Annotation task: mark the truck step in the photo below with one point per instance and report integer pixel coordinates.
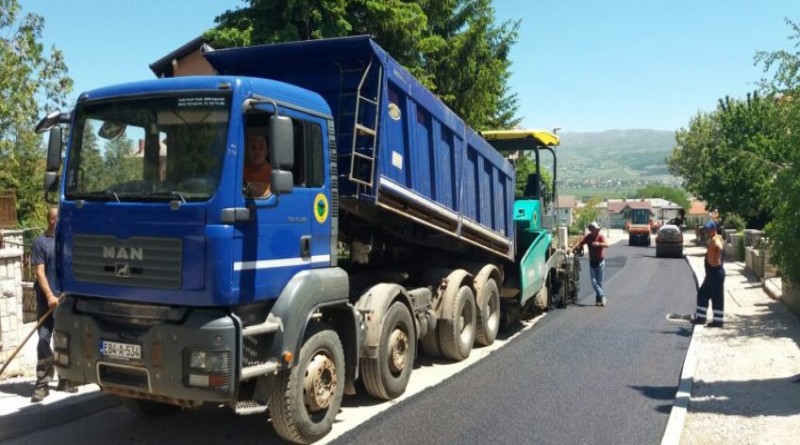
(250, 372)
(245, 407)
(262, 328)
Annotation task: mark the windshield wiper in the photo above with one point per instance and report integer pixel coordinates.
(176, 194)
(111, 193)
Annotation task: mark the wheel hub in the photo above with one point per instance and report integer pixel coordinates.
(398, 345)
(319, 384)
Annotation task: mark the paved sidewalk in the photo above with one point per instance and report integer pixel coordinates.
(742, 381)
(18, 416)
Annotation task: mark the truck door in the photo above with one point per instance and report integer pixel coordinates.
(285, 233)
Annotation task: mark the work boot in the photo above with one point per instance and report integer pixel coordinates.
(716, 324)
(64, 385)
(698, 320)
(40, 393)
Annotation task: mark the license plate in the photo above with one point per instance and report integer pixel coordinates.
(125, 351)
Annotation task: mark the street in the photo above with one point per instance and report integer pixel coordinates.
(583, 374)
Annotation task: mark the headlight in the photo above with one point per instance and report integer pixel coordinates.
(208, 369)
(210, 361)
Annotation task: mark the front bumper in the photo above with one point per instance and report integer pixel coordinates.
(162, 371)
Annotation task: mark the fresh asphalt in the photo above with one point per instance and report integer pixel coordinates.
(584, 374)
(580, 375)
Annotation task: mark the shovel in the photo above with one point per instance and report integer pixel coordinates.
(38, 323)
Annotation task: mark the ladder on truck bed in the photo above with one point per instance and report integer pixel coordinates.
(359, 111)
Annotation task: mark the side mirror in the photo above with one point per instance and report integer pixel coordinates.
(48, 121)
(50, 184)
(54, 150)
(281, 182)
(281, 142)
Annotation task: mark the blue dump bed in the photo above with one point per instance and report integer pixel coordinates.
(398, 146)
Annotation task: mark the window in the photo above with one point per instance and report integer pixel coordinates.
(308, 169)
(308, 163)
(152, 148)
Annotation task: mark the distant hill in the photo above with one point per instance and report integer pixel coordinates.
(614, 162)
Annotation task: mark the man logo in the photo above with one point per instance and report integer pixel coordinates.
(123, 253)
(123, 270)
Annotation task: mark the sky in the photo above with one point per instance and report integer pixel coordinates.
(581, 65)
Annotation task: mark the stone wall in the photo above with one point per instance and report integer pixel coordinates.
(791, 295)
(11, 316)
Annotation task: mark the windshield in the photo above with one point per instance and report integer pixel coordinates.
(154, 148)
(640, 216)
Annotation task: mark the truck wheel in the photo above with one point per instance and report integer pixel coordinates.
(631, 240)
(386, 376)
(430, 344)
(559, 297)
(457, 327)
(574, 280)
(489, 315)
(148, 408)
(305, 399)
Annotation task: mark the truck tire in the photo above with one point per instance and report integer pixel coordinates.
(306, 398)
(488, 301)
(457, 327)
(558, 299)
(430, 344)
(148, 408)
(386, 376)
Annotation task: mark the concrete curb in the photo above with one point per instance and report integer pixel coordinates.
(677, 416)
(772, 290)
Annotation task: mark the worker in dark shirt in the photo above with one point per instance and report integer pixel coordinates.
(44, 267)
(597, 244)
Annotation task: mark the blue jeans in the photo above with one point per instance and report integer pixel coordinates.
(596, 273)
(44, 353)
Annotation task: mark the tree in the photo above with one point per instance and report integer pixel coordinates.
(664, 192)
(585, 215)
(31, 82)
(743, 158)
(454, 47)
(726, 157)
(91, 161)
(120, 162)
(785, 167)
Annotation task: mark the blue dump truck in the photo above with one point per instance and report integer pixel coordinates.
(390, 226)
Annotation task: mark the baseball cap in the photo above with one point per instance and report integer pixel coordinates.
(711, 225)
(594, 225)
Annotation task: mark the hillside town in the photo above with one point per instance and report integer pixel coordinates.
(614, 213)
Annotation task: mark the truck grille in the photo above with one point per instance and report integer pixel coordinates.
(138, 261)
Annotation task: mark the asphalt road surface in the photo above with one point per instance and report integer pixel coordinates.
(583, 374)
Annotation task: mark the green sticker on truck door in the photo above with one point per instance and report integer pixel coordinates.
(321, 208)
